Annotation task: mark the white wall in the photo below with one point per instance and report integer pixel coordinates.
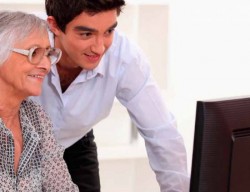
(205, 48)
(209, 55)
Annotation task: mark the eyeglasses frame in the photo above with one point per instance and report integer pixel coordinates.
(28, 53)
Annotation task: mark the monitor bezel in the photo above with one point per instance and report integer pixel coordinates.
(215, 123)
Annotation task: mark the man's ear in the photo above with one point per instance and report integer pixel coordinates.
(53, 25)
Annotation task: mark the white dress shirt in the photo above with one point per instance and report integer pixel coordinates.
(123, 73)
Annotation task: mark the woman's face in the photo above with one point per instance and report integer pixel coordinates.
(20, 78)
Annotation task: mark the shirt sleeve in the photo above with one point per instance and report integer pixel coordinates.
(139, 93)
(55, 175)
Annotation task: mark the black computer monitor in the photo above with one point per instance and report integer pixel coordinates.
(221, 151)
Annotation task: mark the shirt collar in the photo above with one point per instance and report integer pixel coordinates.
(86, 74)
(100, 69)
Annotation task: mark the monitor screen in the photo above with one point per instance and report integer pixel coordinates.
(221, 150)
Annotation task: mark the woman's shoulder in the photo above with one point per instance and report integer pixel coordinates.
(35, 114)
(29, 103)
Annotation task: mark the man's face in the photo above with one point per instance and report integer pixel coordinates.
(86, 38)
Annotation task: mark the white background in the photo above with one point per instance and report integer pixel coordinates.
(199, 49)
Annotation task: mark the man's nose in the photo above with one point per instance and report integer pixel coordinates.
(99, 45)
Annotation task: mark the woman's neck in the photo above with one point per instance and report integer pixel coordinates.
(9, 107)
(9, 113)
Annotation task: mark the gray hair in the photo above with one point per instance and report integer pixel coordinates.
(14, 27)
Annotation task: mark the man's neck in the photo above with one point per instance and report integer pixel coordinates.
(67, 75)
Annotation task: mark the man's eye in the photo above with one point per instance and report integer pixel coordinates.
(86, 34)
(110, 31)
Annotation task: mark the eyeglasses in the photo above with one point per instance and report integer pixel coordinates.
(35, 54)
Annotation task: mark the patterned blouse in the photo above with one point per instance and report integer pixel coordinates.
(41, 166)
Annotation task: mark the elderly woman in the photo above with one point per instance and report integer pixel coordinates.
(30, 158)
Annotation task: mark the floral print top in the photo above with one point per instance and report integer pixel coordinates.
(41, 166)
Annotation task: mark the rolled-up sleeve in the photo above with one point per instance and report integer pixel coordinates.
(139, 93)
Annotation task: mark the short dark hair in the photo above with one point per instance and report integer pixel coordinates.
(65, 11)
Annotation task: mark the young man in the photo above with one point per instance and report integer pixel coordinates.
(97, 65)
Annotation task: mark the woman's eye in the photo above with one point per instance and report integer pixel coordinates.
(35, 52)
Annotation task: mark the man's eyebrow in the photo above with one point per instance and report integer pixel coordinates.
(113, 26)
(84, 28)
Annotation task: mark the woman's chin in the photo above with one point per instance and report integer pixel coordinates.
(36, 93)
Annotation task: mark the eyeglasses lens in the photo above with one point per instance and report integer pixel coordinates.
(54, 55)
(36, 55)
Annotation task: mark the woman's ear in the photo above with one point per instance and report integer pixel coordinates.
(53, 25)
